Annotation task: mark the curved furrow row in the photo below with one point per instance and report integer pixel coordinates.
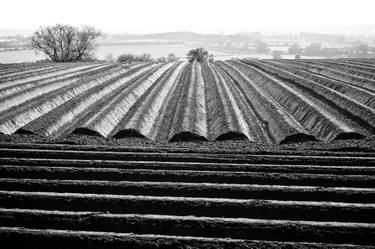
(363, 115)
(350, 67)
(257, 126)
(65, 117)
(314, 117)
(24, 95)
(64, 91)
(282, 126)
(216, 109)
(30, 72)
(144, 119)
(16, 89)
(366, 97)
(106, 121)
(56, 71)
(225, 119)
(190, 119)
(368, 84)
(16, 68)
(355, 70)
(360, 61)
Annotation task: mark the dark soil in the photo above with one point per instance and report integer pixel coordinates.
(357, 146)
(62, 239)
(258, 209)
(191, 226)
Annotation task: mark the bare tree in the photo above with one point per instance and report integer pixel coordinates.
(65, 43)
(198, 54)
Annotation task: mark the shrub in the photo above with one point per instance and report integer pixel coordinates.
(198, 54)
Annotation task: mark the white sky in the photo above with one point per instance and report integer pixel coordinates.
(205, 16)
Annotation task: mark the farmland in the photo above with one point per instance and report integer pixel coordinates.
(224, 154)
(110, 197)
(263, 101)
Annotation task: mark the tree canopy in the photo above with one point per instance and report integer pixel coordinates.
(198, 54)
(65, 43)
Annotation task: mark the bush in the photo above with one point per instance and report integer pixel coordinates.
(198, 54)
(130, 58)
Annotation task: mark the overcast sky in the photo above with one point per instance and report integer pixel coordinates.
(204, 16)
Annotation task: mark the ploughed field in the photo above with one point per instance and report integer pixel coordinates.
(70, 196)
(261, 101)
(229, 154)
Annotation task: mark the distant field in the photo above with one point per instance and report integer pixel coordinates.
(156, 51)
(263, 101)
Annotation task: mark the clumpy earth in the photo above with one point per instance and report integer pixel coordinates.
(366, 145)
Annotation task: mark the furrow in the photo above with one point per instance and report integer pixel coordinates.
(259, 175)
(282, 126)
(350, 67)
(194, 166)
(363, 115)
(12, 90)
(366, 97)
(315, 117)
(360, 71)
(193, 189)
(280, 230)
(190, 119)
(211, 207)
(325, 160)
(73, 113)
(22, 75)
(15, 101)
(47, 238)
(226, 121)
(35, 109)
(345, 77)
(17, 69)
(107, 119)
(38, 77)
(257, 126)
(144, 119)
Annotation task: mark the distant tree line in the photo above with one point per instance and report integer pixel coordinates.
(131, 58)
(316, 49)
